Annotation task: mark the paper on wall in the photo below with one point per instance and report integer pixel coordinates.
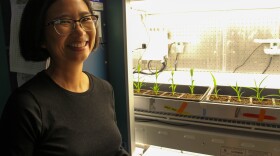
(98, 13)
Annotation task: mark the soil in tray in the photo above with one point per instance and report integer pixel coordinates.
(152, 93)
(220, 98)
(263, 102)
(186, 96)
(277, 102)
(192, 96)
(243, 100)
(142, 91)
(148, 92)
(169, 94)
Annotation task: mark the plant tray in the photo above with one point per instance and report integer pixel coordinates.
(207, 108)
(182, 92)
(227, 95)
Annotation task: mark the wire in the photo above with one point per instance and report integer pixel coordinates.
(177, 55)
(137, 49)
(149, 66)
(146, 29)
(169, 48)
(247, 58)
(164, 64)
(270, 60)
(176, 61)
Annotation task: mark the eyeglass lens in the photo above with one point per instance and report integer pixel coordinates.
(65, 26)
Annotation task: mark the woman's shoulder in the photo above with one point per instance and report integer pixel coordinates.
(21, 100)
(37, 82)
(38, 86)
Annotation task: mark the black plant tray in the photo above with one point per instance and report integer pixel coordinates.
(227, 91)
(182, 92)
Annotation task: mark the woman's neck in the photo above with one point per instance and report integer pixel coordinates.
(72, 79)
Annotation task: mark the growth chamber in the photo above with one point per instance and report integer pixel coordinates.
(205, 76)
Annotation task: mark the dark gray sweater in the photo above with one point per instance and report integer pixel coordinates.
(43, 119)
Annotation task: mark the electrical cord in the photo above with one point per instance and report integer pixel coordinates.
(177, 55)
(269, 63)
(164, 64)
(247, 58)
(176, 61)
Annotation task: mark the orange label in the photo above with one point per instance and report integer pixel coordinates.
(182, 107)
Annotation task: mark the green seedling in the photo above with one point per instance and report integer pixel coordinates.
(192, 86)
(238, 92)
(138, 84)
(216, 90)
(173, 85)
(156, 85)
(258, 90)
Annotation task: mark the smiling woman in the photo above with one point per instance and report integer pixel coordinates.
(69, 43)
(62, 110)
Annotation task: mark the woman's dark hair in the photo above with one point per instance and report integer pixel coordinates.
(31, 31)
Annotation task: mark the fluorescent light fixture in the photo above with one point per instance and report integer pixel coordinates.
(155, 6)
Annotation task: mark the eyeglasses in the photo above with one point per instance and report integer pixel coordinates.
(66, 26)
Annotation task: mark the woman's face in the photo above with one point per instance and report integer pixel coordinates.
(74, 47)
